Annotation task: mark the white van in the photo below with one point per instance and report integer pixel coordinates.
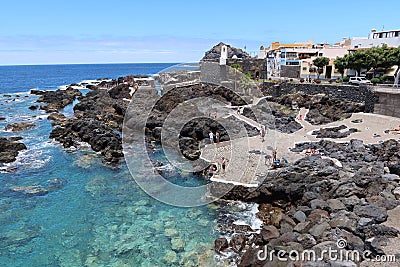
(359, 80)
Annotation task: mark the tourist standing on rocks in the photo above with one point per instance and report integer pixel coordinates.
(262, 133)
(211, 135)
(217, 137)
(223, 164)
(274, 154)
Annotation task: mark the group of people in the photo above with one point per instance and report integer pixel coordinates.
(214, 138)
(213, 169)
(310, 152)
(276, 163)
(394, 130)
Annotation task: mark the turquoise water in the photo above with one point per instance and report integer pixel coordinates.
(96, 215)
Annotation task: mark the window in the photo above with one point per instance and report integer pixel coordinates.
(304, 68)
(320, 54)
(396, 34)
(291, 54)
(292, 63)
(283, 55)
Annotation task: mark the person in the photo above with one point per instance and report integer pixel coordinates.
(274, 154)
(285, 160)
(268, 159)
(238, 110)
(308, 152)
(300, 117)
(223, 164)
(211, 135)
(217, 137)
(211, 170)
(262, 133)
(215, 114)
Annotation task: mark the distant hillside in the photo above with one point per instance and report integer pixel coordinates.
(215, 52)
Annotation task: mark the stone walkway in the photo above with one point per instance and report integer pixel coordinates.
(246, 156)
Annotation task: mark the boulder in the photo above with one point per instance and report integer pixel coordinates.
(376, 213)
(269, 232)
(19, 127)
(220, 244)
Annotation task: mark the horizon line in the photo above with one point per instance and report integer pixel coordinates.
(98, 63)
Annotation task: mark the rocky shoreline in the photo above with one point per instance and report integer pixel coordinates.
(313, 203)
(307, 204)
(97, 120)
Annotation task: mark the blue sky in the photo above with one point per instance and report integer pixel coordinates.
(84, 31)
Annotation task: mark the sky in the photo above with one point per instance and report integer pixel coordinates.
(127, 31)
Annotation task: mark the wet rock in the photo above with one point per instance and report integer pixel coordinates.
(9, 149)
(56, 184)
(220, 244)
(58, 99)
(170, 257)
(269, 232)
(34, 107)
(19, 127)
(177, 244)
(238, 242)
(377, 214)
(169, 232)
(242, 228)
(250, 258)
(30, 190)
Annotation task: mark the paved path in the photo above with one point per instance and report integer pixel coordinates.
(246, 156)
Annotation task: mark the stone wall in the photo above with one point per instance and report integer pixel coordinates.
(254, 66)
(290, 71)
(388, 104)
(359, 94)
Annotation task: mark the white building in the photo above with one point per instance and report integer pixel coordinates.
(376, 39)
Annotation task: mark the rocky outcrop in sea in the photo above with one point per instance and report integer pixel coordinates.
(9, 149)
(97, 120)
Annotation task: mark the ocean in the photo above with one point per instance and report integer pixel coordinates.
(92, 215)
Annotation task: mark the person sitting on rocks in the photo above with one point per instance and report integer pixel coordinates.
(212, 170)
(268, 159)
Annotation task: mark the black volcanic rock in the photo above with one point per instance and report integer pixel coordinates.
(215, 52)
(9, 149)
(58, 99)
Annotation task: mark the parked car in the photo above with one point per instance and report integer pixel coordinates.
(359, 80)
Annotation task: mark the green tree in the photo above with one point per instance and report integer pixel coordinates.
(320, 63)
(341, 64)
